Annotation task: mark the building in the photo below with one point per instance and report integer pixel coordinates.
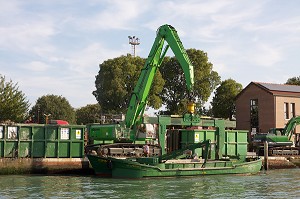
(261, 106)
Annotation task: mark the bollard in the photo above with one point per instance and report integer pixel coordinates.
(266, 153)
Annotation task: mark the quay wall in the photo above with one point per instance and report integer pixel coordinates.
(45, 166)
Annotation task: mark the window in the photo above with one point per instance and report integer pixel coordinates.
(286, 110)
(254, 114)
(293, 114)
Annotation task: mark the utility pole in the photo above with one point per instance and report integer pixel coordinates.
(133, 41)
(38, 113)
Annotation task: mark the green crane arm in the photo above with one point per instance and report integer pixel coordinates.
(177, 153)
(140, 93)
(289, 127)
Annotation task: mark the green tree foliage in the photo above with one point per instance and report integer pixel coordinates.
(88, 114)
(223, 105)
(293, 81)
(116, 80)
(207, 111)
(13, 103)
(175, 94)
(57, 106)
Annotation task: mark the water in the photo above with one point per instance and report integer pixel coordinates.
(271, 184)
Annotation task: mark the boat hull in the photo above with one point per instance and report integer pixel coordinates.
(122, 168)
(102, 166)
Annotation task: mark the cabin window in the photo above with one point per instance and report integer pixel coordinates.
(293, 114)
(254, 122)
(286, 110)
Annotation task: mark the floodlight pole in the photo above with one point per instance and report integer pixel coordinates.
(133, 41)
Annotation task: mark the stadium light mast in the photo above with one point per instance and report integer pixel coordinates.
(133, 41)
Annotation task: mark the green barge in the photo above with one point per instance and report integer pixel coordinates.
(180, 147)
(126, 168)
(176, 164)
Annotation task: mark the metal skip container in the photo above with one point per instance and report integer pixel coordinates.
(40, 147)
(234, 146)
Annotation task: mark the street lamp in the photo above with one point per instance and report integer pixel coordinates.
(133, 41)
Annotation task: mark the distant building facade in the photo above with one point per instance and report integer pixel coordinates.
(261, 106)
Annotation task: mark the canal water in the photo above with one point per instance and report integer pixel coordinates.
(283, 183)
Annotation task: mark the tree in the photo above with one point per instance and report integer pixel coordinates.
(207, 111)
(56, 107)
(293, 81)
(13, 103)
(223, 105)
(175, 94)
(88, 114)
(116, 80)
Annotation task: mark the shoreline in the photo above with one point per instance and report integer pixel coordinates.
(81, 166)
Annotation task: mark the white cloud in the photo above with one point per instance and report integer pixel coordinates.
(36, 66)
(28, 37)
(9, 7)
(265, 55)
(116, 15)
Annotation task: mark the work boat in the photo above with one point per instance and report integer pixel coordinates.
(179, 163)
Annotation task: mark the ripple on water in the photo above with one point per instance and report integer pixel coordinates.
(272, 184)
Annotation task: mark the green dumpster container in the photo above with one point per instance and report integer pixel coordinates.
(42, 141)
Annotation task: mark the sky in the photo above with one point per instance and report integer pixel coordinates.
(56, 46)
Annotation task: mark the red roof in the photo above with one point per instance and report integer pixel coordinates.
(59, 122)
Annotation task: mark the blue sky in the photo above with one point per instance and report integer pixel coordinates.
(56, 46)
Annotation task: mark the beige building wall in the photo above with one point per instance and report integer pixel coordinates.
(280, 116)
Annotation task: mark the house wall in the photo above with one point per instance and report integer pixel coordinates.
(265, 108)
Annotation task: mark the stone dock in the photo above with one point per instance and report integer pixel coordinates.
(283, 162)
(45, 166)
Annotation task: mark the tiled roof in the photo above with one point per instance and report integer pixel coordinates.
(279, 87)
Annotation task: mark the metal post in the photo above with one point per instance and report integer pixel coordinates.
(266, 153)
(38, 113)
(47, 118)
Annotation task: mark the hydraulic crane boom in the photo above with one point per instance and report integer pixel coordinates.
(140, 93)
(290, 126)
